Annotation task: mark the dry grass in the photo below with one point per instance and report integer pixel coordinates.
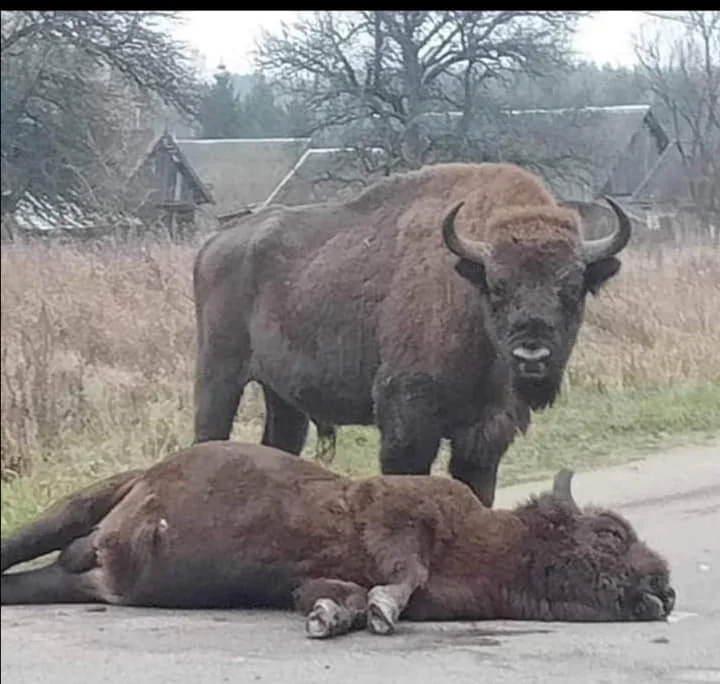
(657, 323)
(98, 353)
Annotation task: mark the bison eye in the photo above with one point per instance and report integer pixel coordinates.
(570, 296)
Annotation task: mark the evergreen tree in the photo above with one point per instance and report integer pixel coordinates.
(261, 115)
(220, 113)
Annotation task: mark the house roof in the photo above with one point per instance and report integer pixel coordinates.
(667, 181)
(595, 143)
(242, 172)
(180, 158)
(136, 148)
(321, 174)
(593, 140)
(141, 144)
(33, 215)
(582, 152)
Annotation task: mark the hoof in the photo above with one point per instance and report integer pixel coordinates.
(324, 620)
(379, 622)
(382, 612)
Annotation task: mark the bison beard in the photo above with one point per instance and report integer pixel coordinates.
(431, 305)
(537, 394)
(233, 525)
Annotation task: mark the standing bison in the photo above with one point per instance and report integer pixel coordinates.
(443, 302)
(235, 525)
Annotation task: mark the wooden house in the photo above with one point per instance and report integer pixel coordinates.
(165, 185)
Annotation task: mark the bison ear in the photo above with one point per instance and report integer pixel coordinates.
(599, 272)
(472, 271)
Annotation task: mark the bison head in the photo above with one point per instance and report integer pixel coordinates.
(588, 564)
(536, 289)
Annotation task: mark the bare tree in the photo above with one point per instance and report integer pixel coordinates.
(67, 77)
(681, 61)
(409, 83)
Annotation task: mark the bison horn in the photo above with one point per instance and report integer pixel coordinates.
(562, 487)
(596, 250)
(471, 250)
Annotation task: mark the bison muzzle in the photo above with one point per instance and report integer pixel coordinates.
(232, 525)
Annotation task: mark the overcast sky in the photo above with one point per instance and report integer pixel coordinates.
(230, 36)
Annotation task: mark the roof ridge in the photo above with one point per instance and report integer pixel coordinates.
(286, 178)
(583, 108)
(147, 151)
(648, 177)
(171, 140)
(310, 151)
(207, 141)
(637, 107)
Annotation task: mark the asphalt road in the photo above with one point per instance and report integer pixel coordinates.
(673, 499)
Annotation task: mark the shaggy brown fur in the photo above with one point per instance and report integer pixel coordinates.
(233, 525)
(359, 312)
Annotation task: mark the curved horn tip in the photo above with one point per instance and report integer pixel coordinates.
(454, 211)
(615, 205)
(562, 483)
(461, 247)
(450, 236)
(605, 247)
(624, 231)
(610, 200)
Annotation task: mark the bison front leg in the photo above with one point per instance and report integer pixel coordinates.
(476, 451)
(332, 607)
(285, 427)
(220, 377)
(407, 415)
(386, 602)
(400, 555)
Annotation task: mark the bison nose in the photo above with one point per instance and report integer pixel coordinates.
(530, 360)
(531, 353)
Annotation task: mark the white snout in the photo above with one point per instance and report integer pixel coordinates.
(525, 354)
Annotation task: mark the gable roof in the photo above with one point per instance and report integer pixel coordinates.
(179, 157)
(136, 148)
(582, 151)
(667, 181)
(592, 140)
(321, 174)
(605, 150)
(142, 144)
(242, 172)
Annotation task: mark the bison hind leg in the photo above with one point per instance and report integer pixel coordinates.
(52, 584)
(214, 583)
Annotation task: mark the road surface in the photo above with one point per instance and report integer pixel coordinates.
(673, 499)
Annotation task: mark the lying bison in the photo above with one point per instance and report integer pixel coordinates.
(232, 525)
(444, 302)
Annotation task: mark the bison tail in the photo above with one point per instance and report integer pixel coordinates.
(67, 520)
